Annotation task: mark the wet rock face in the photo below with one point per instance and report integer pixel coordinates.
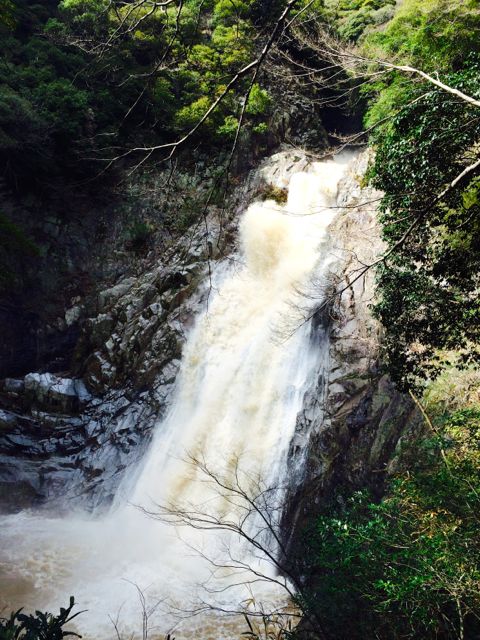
(33, 448)
(68, 438)
(355, 422)
(51, 393)
(59, 442)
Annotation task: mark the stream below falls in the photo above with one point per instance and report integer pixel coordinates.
(246, 367)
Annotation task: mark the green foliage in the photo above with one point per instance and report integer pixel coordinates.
(229, 127)
(188, 116)
(64, 108)
(428, 288)
(85, 16)
(270, 192)
(351, 18)
(231, 13)
(261, 128)
(43, 115)
(41, 626)
(7, 14)
(21, 126)
(408, 567)
(434, 34)
(259, 102)
(454, 389)
(82, 80)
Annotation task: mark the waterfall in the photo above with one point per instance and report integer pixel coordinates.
(243, 378)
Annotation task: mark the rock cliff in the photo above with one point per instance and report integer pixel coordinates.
(71, 435)
(355, 424)
(60, 440)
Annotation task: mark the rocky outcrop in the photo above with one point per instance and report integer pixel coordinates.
(86, 240)
(355, 423)
(72, 437)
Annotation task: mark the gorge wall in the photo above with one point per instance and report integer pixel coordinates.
(66, 440)
(60, 433)
(355, 427)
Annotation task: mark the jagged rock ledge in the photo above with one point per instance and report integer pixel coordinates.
(355, 424)
(70, 436)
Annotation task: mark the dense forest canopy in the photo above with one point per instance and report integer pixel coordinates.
(83, 81)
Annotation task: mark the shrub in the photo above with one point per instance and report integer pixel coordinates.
(409, 566)
(259, 101)
(139, 236)
(270, 192)
(41, 626)
(428, 288)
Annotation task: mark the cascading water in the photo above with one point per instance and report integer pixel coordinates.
(240, 389)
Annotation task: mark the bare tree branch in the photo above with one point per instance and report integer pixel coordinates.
(255, 518)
